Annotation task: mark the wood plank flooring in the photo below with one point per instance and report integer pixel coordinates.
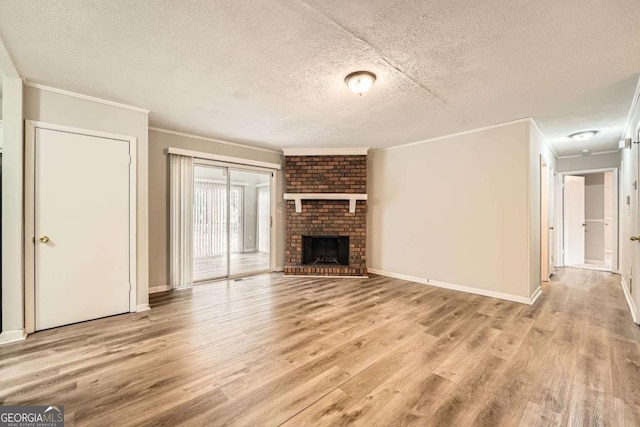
(274, 350)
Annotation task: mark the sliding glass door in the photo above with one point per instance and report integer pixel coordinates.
(231, 221)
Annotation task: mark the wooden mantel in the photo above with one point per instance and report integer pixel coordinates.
(351, 197)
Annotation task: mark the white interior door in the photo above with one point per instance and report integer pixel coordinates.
(635, 226)
(574, 220)
(81, 206)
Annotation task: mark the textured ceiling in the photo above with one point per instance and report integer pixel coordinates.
(271, 72)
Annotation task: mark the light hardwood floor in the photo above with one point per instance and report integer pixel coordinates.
(274, 350)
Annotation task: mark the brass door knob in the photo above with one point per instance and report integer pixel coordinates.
(44, 239)
(634, 238)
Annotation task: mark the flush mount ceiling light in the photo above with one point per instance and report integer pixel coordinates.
(583, 136)
(360, 81)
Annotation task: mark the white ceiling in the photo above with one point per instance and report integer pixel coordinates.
(271, 72)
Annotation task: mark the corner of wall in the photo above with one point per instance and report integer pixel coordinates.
(537, 149)
(142, 294)
(12, 213)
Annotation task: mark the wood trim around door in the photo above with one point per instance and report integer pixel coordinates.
(29, 212)
(615, 193)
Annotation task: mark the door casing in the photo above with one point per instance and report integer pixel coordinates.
(633, 256)
(559, 220)
(29, 211)
(545, 250)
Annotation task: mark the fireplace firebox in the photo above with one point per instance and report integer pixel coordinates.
(325, 250)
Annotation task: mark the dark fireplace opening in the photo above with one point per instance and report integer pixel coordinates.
(325, 250)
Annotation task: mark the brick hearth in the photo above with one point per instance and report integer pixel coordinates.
(326, 174)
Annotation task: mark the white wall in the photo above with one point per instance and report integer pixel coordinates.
(12, 211)
(629, 214)
(158, 191)
(457, 210)
(538, 150)
(50, 107)
(609, 209)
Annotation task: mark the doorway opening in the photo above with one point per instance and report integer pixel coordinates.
(590, 220)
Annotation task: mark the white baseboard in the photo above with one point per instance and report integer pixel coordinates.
(8, 337)
(142, 307)
(630, 303)
(477, 291)
(156, 289)
(278, 270)
(536, 294)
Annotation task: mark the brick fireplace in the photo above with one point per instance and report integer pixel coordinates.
(325, 212)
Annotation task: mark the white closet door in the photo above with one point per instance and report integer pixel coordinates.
(81, 227)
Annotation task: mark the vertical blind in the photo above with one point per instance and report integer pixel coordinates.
(237, 218)
(209, 218)
(180, 218)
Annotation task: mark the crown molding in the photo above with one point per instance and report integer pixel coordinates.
(535, 126)
(85, 97)
(219, 141)
(453, 135)
(322, 151)
(529, 120)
